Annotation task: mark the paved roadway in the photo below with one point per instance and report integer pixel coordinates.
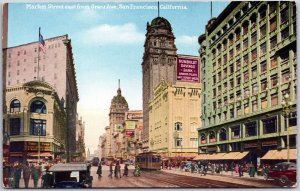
(173, 178)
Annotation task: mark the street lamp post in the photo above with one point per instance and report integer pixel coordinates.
(39, 143)
(286, 106)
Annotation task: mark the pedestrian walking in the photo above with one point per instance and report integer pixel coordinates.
(213, 166)
(170, 165)
(125, 170)
(5, 174)
(241, 170)
(232, 168)
(236, 168)
(110, 169)
(11, 176)
(35, 175)
(251, 170)
(137, 171)
(47, 180)
(118, 170)
(17, 175)
(26, 175)
(99, 170)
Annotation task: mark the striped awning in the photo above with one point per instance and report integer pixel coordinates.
(280, 155)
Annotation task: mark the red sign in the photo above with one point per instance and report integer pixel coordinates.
(187, 69)
(129, 133)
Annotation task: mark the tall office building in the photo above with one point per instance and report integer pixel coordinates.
(55, 66)
(159, 62)
(248, 56)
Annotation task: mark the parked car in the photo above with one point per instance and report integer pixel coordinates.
(284, 172)
(71, 175)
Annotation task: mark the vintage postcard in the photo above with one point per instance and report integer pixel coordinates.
(147, 94)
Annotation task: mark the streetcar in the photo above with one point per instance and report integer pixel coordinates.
(148, 161)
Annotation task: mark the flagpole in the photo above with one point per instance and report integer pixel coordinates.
(38, 69)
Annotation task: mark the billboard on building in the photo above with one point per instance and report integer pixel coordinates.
(134, 115)
(119, 127)
(130, 125)
(140, 126)
(129, 133)
(188, 69)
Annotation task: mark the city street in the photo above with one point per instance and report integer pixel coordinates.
(175, 178)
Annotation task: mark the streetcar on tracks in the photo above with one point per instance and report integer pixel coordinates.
(148, 161)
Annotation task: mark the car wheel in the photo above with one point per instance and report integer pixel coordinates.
(283, 180)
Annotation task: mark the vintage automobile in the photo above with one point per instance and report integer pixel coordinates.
(71, 175)
(284, 172)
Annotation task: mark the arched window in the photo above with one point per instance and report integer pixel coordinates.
(178, 126)
(223, 135)
(38, 107)
(212, 137)
(237, 33)
(262, 12)
(230, 39)
(253, 20)
(203, 138)
(245, 26)
(15, 106)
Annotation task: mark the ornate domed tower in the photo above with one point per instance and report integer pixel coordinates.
(159, 63)
(117, 111)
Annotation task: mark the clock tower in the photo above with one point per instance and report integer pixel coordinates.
(159, 63)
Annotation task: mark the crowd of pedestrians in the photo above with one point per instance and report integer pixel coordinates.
(13, 173)
(202, 167)
(115, 169)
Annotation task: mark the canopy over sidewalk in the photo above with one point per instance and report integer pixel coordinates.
(222, 156)
(280, 155)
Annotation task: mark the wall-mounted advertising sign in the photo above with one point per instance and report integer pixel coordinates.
(134, 115)
(130, 125)
(140, 126)
(188, 69)
(129, 133)
(119, 127)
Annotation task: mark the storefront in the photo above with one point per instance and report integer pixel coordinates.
(28, 150)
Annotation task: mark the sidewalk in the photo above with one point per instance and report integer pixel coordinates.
(227, 177)
(228, 173)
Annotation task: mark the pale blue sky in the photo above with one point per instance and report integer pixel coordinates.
(107, 46)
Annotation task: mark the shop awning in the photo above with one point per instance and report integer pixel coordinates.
(280, 155)
(222, 156)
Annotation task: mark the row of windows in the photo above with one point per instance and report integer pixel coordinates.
(284, 58)
(34, 78)
(269, 125)
(35, 107)
(284, 16)
(254, 54)
(247, 107)
(275, 80)
(193, 142)
(178, 127)
(23, 52)
(37, 127)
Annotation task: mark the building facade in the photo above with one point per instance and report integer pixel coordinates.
(118, 108)
(35, 116)
(248, 56)
(106, 148)
(80, 144)
(174, 118)
(133, 127)
(54, 66)
(159, 62)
